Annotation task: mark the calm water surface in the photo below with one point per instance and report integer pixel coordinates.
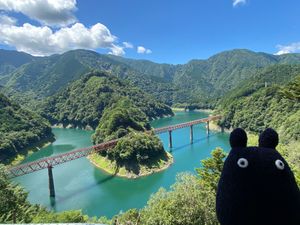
(79, 185)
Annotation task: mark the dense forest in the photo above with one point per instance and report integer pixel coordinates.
(59, 88)
(20, 129)
(197, 205)
(138, 152)
(271, 100)
(268, 101)
(83, 102)
(198, 82)
(117, 97)
(119, 120)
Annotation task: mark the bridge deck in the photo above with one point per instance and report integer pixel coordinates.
(72, 155)
(187, 124)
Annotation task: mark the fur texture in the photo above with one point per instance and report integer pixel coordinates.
(257, 186)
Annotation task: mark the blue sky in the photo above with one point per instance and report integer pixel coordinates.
(159, 30)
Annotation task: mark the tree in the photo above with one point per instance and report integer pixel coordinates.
(190, 201)
(72, 216)
(14, 206)
(212, 168)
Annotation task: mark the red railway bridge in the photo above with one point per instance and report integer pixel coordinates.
(50, 162)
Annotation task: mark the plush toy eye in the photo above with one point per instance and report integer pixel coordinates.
(279, 164)
(243, 163)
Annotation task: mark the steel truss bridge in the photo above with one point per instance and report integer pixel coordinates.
(50, 162)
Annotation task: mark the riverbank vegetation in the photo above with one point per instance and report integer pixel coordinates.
(197, 205)
(251, 90)
(138, 153)
(135, 155)
(190, 201)
(256, 108)
(15, 207)
(20, 130)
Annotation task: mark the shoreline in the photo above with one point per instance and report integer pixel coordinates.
(213, 126)
(194, 110)
(89, 128)
(130, 175)
(29, 151)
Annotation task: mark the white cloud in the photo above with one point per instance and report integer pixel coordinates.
(238, 2)
(127, 45)
(47, 12)
(66, 34)
(285, 49)
(4, 19)
(117, 50)
(43, 40)
(143, 50)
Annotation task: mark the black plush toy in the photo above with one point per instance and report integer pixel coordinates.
(257, 186)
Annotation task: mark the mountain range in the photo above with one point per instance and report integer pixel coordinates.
(75, 88)
(198, 82)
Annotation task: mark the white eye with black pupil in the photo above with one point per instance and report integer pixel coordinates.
(243, 163)
(279, 164)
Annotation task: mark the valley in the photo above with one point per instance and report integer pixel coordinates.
(80, 185)
(94, 98)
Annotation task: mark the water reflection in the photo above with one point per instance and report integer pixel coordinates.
(80, 185)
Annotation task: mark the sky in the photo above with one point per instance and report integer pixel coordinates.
(164, 31)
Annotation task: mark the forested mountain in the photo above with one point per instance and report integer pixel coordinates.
(67, 96)
(270, 100)
(165, 71)
(46, 75)
(272, 75)
(251, 90)
(137, 153)
(82, 103)
(20, 129)
(10, 60)
(120, 119)
(199, 82)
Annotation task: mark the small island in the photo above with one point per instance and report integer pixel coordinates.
(138, 153)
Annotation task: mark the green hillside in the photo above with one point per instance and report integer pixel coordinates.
(198, 83)
(272, 75)
(120, 119)
(82, 103)
(165, 71)
(20, 129)
(11, 60)
(46, 75)
(255, 107)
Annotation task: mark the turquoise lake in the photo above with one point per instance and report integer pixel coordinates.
(80, 185)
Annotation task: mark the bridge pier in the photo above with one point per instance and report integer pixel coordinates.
(207, 128)
(170, 139)
(191, 134)
(51, 182)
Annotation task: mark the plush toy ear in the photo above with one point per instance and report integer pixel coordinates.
(238, 138)
(268, 139)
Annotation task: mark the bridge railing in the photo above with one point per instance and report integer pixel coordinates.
(187, 124)
(58, 159)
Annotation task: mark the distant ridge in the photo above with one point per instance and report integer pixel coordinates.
(198, 82)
